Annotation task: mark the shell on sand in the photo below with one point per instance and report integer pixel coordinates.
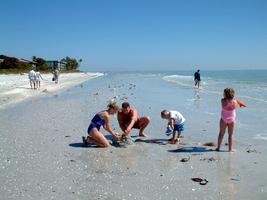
(209, 144)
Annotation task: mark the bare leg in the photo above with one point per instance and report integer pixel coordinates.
(174, 135)
(231, 136)
(179, 134)
(144, 121)
(223, 126)
(98, 138)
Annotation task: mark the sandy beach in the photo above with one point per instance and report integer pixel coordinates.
(42, 156)
(15, 88)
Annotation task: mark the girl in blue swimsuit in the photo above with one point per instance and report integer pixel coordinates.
(101, 119)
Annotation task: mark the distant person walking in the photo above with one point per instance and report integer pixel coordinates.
(56, 75)
(38, 79)
(197, 78)
(32, 78)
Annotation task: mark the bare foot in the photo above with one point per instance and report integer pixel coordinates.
(232, 151)
(142, 135)
(90, 140)
(173, 141)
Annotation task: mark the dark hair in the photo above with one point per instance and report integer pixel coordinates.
(125, 105)
(164, 113)
(113, 105)
(229, 93)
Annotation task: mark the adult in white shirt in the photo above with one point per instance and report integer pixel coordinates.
(38, 79)
(32, 78)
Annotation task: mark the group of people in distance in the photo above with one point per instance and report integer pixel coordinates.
(128, 119)
(35, 79)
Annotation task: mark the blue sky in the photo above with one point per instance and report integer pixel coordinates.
(138, 34)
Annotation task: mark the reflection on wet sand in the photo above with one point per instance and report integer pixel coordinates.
(227, 185)
(196, 98)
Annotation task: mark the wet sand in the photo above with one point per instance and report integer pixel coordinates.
(42, 157)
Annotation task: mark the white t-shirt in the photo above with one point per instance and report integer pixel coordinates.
(178, 117)
(32, 75)
(38, 76)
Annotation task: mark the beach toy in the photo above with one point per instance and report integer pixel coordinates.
(168, 131)
(240, 103)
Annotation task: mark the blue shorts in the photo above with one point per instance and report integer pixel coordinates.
(179, 127)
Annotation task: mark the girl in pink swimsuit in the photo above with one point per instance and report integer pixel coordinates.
(228, 116)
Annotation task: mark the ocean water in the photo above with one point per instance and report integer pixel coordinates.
(151, 92)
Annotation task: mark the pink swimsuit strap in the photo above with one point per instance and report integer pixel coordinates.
(229, 105)
(228, 113)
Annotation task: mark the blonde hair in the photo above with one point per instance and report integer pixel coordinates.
(113, 105)
(229, 93)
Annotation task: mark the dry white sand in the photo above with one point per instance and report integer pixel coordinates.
(15, 88)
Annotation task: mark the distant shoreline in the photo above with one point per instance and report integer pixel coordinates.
(15, 88)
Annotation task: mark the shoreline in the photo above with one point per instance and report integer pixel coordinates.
(15, 88)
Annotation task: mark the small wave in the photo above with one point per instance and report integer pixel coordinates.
(188, 81)
(183, 80)
(180, 79)
(261, 137)
(253, 98)
(175, 76)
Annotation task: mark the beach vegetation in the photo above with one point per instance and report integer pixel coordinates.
(13, 64)
(41, 64)
(70, 63)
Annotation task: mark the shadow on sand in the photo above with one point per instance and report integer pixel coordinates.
(81, 145)
(153, 141)
(191, 150)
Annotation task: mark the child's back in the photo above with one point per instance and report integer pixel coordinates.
(177, 116)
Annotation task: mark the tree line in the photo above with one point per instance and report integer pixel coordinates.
(12, 63)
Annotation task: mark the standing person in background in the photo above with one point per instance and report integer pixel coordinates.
(32, 78)
(38, 79)
(56, 75)
(197, 78)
